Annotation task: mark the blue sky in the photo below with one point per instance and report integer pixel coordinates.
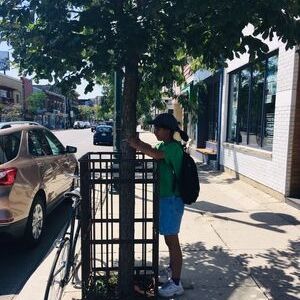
(13, 72)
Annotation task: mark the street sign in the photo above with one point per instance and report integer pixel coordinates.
(4, 60)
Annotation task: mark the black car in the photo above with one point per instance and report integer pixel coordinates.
(103, 135)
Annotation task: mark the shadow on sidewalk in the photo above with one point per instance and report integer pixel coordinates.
(268, 220)
(205, 173)
(280, 275)
(216, 274)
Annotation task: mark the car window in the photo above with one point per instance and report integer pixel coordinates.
(38, 144)
(105, 129)
(9, 146)
(56, 146)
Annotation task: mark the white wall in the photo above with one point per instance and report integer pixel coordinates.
(268, 168)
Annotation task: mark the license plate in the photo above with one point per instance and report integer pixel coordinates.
(103, 134)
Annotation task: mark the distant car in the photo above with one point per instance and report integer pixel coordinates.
(78, 125)
(103, 135)
(110, 123)
(86, 124)
(33, 168)
(93, 126)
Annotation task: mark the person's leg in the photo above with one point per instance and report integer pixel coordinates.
(172, 242)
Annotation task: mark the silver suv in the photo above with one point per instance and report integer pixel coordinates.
(33, 177)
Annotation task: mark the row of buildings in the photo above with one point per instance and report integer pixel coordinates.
(249, 119)
(57, 112)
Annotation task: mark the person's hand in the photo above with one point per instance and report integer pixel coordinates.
(133, 142)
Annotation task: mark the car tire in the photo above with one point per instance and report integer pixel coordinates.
(36, 222)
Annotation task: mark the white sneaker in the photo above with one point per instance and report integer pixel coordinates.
(164, 275)
(170, 289)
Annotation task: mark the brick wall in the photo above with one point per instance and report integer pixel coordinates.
(271, 169)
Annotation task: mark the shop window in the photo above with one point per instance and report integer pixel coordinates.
(251, 108)
(213, 108)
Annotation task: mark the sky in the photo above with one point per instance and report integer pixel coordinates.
(13, 72)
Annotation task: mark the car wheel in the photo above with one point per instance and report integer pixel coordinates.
(36, 222)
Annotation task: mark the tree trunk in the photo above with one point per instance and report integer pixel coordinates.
(127, 193)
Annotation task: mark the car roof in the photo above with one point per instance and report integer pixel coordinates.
(104, 125)
(16, 125)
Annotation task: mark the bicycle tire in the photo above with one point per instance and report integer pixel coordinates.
(58, 277)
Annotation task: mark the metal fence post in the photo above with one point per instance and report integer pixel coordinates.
(85, 221)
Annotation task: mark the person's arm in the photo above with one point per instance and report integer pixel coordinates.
(145, 148)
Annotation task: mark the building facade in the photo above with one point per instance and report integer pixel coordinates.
(260, 120)
(249, 119)
(11, 98)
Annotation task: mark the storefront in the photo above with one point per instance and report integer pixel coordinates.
(258, 120)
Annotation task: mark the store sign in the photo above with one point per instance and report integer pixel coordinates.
(4, 60)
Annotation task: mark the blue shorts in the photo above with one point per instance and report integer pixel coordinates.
(170, 214)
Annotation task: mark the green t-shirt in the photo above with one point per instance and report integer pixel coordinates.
(173, 157)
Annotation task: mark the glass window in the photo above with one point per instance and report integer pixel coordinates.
(104, 129)
(243, 105)
(233, 105)
(252, 95)
(269, 103)
(9, 146)
(38, 144)
(56, 147)
(257, 94)
(213, 108)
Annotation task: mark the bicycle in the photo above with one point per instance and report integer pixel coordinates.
(66, 262)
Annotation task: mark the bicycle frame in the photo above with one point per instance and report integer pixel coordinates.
(63, 267)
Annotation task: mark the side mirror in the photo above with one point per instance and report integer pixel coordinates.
(71, 149)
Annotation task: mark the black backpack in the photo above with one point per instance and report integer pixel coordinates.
(188, 180)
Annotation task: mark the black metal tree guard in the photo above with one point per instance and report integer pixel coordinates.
(100, 241)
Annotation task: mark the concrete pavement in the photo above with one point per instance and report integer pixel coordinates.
(238, 243)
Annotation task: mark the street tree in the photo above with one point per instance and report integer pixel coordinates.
(146, 40)
(36, 102)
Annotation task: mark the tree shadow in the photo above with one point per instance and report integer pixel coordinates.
(269, 220)
(280, 275)
(205, 173)
(217, 274)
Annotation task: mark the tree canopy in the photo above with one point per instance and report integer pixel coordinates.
(71, 39)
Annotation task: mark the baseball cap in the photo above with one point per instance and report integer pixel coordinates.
(165, 120)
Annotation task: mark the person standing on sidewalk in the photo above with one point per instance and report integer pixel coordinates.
(169, 153)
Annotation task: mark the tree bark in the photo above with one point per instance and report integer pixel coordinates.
(127, 189)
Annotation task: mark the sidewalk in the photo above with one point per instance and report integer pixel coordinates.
(238, 243)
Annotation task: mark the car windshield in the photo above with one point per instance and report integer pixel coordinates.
(106, 129)
(9, 146)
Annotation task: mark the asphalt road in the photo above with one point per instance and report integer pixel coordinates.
(17, 263)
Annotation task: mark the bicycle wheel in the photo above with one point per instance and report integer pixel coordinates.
(58, 276)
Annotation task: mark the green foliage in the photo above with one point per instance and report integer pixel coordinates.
(66, 40)
(12, 113)
(106, 111)
(85, 112)
(36, 101)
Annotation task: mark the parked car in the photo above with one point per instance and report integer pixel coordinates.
(86, 124)
(78, 125)
(33, 177)
(103, 135)
(93, 126)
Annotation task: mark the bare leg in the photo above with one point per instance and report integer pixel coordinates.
(172, 242)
